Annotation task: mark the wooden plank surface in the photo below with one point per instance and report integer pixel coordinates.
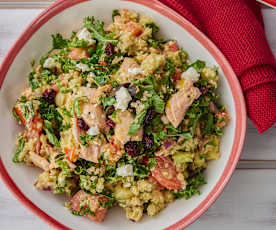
(248, 201)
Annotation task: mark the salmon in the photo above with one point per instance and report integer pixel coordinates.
(39, 161)
(81, 200)
(180, 102)
(94, 115)
(123, 75)
(171, 46)
(94, 94)
(78, 53)
(91, 93)
(124, 119)
(134, 28)
(91, 152)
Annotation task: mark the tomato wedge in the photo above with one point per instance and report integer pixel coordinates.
(78, 53)
(172, 46)
(19, 113)
(165, 173)
(95, 203)
(177, 76)
(34, 131)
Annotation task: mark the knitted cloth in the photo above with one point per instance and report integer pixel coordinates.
(236, 27)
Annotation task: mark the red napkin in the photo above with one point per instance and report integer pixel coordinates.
(236, 27)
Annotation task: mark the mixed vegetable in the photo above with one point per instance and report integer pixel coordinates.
(117, 116)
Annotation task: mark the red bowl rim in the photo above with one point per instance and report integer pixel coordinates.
(240, 126)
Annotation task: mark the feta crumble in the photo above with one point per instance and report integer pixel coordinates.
(126, 170)
(91, 74)
(123, 98)
(93, 131)
(191, 74)
(83, 67)
(85, 35)
(135, 70)
(49, 63)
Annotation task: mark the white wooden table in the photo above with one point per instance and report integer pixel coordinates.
(248, 202)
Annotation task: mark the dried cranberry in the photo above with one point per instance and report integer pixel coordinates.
(132, 90)
(148, 141)
(149, 116)
(132, 148)
(109, 49)
(82, 125)
(145, 160)
(110, 123)
(126, 85)
(49, 96)
(203, 89)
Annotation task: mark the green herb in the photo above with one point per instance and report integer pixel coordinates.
(192, 188)
(152, 163)
(108, 101)
(140, 171)
(50, 113)
(97, 30)
(137, 123)
(115, 13)
(154, 27)
(23, 99)
(63, 89)
(50, 133)
(198, 65)
(66, 112)
(209, 126)
(76, 105)
(101, 79)
(21, 144)
(59, 42)
(158, 103)
(76, 43)
(85, 139)
(34, 84)
(114, 83)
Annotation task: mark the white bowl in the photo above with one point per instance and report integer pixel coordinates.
(65, 16)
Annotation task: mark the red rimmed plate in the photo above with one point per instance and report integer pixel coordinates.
(65, 16)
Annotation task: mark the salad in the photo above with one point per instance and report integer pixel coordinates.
(117, 116)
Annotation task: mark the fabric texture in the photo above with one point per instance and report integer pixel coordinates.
(236, 27)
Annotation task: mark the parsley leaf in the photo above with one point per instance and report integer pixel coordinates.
(154, 27)
(58, 41)
(198, 65)
(50, 133)
(21, 144)
(108, 101)
(115, 13)
(137, 123)
(192, 187)
(96, 28)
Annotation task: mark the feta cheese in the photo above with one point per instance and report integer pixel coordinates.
(123, 98)
(49, 63)
(83, 67)
(135, 70)
(126, 170)
(85, 35)
(91, 74)
(93, 131)
(191, 74)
